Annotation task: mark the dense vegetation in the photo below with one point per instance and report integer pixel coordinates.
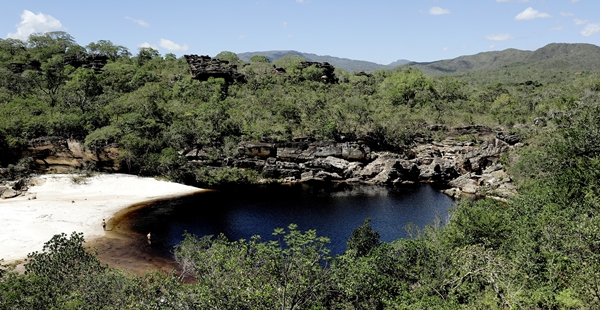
(538, 250)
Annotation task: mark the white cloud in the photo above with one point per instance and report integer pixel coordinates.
(284, 24)
(445, 49)
(34, 23)
(499, 37)
(578, 21)
(140, 22)
(436, 10)
(574, 1)
(146, 44)
(530, 13)
(241, 37)
(566, 14)
(557, 28)
(289, 35)
(590, 29)
(512, 0)
(492, 46)
(172, 46)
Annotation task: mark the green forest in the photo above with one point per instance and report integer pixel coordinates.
(538, 250)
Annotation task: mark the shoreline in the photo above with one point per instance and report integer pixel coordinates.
(56, 204)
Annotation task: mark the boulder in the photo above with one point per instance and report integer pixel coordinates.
(386, 176)
(438, 170)
(327, 176)
(453, 192)
(9, 193)
(355, 151)
(383, 161)
(330, 163)
(509, 137)
(252, 149)
(328, 149)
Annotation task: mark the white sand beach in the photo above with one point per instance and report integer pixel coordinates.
(62, 206)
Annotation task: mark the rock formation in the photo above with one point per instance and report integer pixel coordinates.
(204, 67)
(53, 154)
(87, 61)
(466, 167)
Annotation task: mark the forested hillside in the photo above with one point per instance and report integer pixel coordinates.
(540, 249)
(557, 57)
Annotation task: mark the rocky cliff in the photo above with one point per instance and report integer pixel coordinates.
(467, 167)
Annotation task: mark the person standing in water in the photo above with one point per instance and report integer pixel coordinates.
(103, 224)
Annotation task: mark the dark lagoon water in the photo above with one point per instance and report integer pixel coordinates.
(333, 211)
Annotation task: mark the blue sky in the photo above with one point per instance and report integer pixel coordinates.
(377, 31)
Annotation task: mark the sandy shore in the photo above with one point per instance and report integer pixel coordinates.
(62, 206)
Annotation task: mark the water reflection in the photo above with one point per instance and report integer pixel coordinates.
(333, 211)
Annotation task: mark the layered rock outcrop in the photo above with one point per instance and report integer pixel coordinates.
(204, 67)
(53, 154)
(87, 61)
(466, 167)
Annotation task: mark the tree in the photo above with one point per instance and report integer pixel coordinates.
(146, 54)
(290, 62)
(231, 57)
(82, 89)
(43, 46)
(364, 238)
(409, 87)
(290, 273)
(51, 78)
(259, 59)
(108, 49)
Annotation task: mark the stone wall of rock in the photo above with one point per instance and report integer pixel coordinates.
(52, 154)
(465, 167)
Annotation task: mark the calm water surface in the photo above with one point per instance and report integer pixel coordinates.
(333, 211)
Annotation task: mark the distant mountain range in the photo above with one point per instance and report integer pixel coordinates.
(555, 56)
(344, 63)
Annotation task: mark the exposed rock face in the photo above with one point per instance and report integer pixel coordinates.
(86, 61)
(21, 67)
(204, 67)
(59, 155)
(466, 167)
(508, 137)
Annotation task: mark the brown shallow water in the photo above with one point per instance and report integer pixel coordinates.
(130, 251)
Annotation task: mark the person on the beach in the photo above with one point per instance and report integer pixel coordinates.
(149, 236)
(103, 224)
